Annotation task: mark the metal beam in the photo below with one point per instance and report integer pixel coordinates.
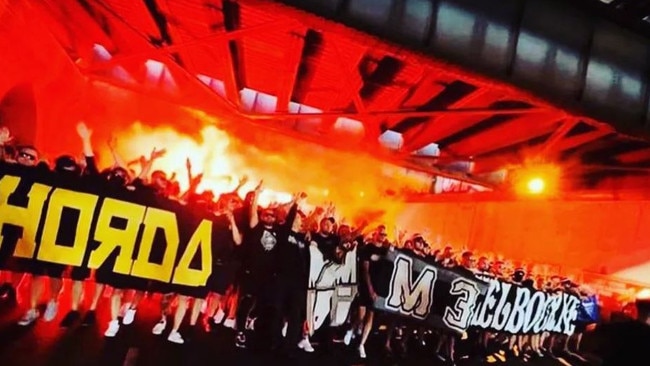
(482, 165)
(203, 41)
(634, 156)
(377, 151)
(585, 44)
(557, 136)
(615, 168)
(288, 80)
(445, 126)
(352, 83)
(230, 83)
(507, 134)
(401, 113)
(578, 140)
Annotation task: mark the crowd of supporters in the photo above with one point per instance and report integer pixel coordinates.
(260, 270)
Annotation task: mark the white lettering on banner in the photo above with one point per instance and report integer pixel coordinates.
(515, 309)
(460, 315)
(553, 304)
(570, 305)
(502, 312)
(332, 288)
(482, 317)
(534, 313)
(406, 297)
(518, 314)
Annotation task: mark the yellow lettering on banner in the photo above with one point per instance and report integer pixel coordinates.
(201, 239)
(157, 219)
(26, 217)
(110, 238)
(50, 250)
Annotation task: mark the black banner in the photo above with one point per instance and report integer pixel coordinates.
(82, 222)
(457, 300)
(443, 298)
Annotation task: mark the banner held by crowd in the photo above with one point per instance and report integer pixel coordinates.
(141, 234)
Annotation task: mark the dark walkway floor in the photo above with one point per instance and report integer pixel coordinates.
(48, 344)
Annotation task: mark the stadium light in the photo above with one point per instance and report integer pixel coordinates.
(536, 185)
(539, 180)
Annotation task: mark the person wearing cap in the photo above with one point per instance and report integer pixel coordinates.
(418, 245)
(518, 276)
(261, 263)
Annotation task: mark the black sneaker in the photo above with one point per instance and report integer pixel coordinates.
(240, 340)
(70, 318)
(89, 319)
(209, 326)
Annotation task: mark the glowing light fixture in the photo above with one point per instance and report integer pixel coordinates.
(536, 185)
(541, 180)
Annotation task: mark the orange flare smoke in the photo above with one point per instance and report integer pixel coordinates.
(355, 183)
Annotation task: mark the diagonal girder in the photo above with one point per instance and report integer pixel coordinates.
(557, 136)
(445, 126)
(579, 140)
(508, 133)
(203, 41)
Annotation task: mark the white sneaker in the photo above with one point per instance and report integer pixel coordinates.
(50, 311)
(284, 330)
(347, 339)
(218, 317)
(113, 328)
(29, 317)
(125, 307)
(229, 323)
(250, 323)
(175, 337)
(305, 345)
(129, 316)
(159, 327)
(362, 352)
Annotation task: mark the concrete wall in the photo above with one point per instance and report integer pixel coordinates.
(605, 236)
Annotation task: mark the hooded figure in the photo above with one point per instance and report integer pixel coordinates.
(67, 165)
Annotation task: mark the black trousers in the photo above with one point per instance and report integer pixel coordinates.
(274, 298)
(292, 299)
(258, 292)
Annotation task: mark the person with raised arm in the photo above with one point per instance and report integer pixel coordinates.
(91, 175)
(260, 265)
(67, 171)
(121, 283)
